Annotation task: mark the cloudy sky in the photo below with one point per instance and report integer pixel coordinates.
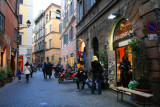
(39, 5)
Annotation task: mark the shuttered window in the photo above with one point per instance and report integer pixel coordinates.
(20, 19)
(80, 10)
(15, 35)
(71, 34)
(2, 22)
(60, 28)
(71, 8)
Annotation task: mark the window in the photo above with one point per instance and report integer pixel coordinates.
(34, 38)
(50, 28)
(15, 35)
(89, 4)
(67, 16)
(20, 39)
(66, 39)
(16, 6)
(58, 14)
(2, 22)
(71, 34)
(45, 31)
(80, 10)
(46, 18)
(21, 1)
(50, 43)
(60, 28)
(20, 19)
(71, 8)
(50, 15)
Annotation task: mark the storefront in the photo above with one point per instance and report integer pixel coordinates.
(122, 35)
(21, 62)
(81, 53)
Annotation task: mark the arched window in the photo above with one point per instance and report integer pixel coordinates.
(58, 14)
(50, 15)
(46, 18)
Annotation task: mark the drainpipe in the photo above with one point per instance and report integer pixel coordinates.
(158, 33)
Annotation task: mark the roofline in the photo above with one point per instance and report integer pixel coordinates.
(50, 5)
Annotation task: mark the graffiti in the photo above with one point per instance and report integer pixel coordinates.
(112, 74)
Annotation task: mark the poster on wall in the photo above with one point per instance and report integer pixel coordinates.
(112, 74)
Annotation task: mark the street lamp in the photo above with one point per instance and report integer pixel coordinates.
(113, 16)
(20, 28)
(28, 23)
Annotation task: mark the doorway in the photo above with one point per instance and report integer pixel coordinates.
(120, 52)
(95, 46)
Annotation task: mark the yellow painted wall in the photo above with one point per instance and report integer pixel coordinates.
(24, 11)
(50, 53)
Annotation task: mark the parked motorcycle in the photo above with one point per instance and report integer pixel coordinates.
(57, 70)
(67, 75)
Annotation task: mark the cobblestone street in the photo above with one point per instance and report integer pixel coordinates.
(49, 93)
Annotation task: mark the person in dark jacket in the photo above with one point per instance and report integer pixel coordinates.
(43, 69)
(96, 76)
(49, 69)
(81, 77)
(125, 66)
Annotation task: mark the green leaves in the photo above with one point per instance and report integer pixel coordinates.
(103, 57)
(2, 75)
(9, 72)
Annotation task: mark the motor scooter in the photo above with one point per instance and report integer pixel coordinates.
(57, 70)
(67, 74)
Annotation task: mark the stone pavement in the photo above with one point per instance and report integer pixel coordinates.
(49, 93)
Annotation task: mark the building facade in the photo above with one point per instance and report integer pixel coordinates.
(111, 25)
(38, 38)
(8, 34)
(68, 32)
(52, 41)
(25, 34)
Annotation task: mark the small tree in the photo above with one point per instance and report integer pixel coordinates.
(9, 72)
(103, 57)
(2, 75)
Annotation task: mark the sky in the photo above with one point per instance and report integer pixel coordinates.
(39, 5)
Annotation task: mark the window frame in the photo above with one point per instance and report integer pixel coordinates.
(50, 43)
(19, 18)
(2, 20)
(15, 35)
(21, 1)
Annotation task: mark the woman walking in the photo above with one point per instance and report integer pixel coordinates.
(27, 71)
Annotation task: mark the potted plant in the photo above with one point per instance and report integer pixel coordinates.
(141, 64)
(2, 78)
(9, 74)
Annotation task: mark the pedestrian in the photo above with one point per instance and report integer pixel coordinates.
(96, 69)
(49, 69)
(31, 66)
(81, 77)
(19, 73)
(125, 66)
(44, 74)
(27, 71)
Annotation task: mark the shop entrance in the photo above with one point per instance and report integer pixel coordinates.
(120, 52)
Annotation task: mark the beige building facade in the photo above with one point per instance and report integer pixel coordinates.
(52, 41)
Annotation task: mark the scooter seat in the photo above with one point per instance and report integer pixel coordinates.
(72, 72)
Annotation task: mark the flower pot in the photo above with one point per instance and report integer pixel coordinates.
(9, 80)
(2, 83)
(140, 99)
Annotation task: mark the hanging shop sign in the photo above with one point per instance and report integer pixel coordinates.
(124, 43)
(123, 29)
(152, 27)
